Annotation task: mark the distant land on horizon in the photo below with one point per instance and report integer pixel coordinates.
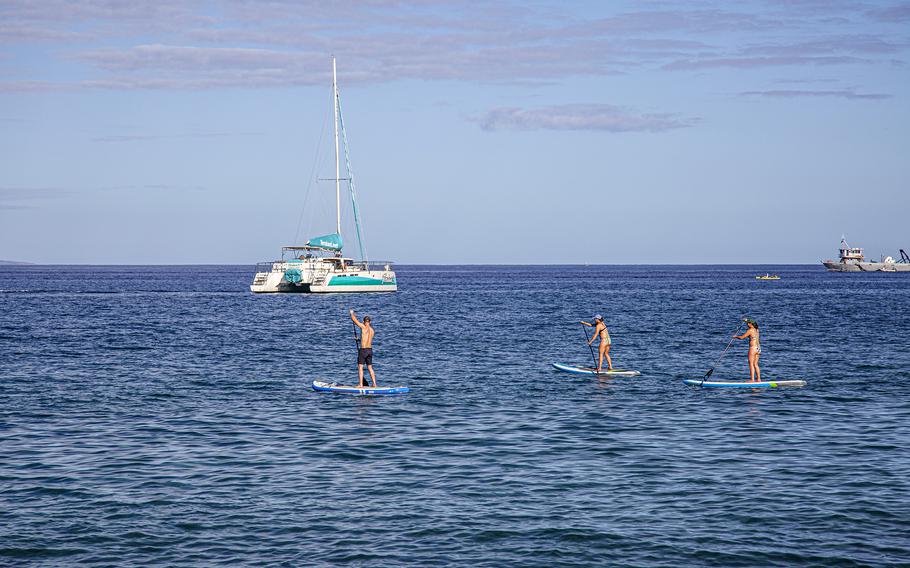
(14, 262)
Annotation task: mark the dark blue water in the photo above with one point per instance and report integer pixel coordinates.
(163, 416)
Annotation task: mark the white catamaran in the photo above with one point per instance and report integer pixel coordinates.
(318, 265)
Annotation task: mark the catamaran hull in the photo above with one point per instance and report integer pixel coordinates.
(357, 288)
(373, 281)
(309, 289)
(283, 288)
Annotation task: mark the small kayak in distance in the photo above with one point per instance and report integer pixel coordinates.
(590, 371)
(322, 386)
(743, 384)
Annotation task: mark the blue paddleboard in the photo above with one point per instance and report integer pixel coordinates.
(590, 371)
(743, 384)
(322, 386)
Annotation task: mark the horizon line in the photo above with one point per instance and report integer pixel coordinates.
(253, 264)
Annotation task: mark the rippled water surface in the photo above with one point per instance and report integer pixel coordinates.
(164, 416)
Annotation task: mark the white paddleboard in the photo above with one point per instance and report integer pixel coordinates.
(590, 371)
(744, 384)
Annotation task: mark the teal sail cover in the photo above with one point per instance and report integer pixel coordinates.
(293, 273)
(330, 242)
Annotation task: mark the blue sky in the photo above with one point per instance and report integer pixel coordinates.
(487, 132)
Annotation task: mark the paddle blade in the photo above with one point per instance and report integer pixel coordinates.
(709, 373)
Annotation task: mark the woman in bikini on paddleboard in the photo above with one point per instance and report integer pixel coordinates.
(754, 349)
(600, 331)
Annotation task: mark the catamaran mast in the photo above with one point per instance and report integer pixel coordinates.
(337, 166)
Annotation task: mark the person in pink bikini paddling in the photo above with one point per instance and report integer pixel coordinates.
(754, 349)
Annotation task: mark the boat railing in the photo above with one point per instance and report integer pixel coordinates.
(375, 264)
(273, 266)
(279, 266)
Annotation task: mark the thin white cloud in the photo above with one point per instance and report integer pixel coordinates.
(682, 19)
(798, 93)
(26, 85)
(147, 15)
(155, 137)
(10, 33)
(856, 44)
(152, 187)
(759, 62)
(899, 13)
(191, 58)
(591, 117)
(805, 81)
(25, 197)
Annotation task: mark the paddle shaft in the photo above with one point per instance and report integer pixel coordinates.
(588, 341)
(357, 346)
(711, 370)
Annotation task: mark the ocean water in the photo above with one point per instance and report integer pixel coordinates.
(163, 416)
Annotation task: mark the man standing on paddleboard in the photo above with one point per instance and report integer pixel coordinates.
(600, 330)
(365, 351)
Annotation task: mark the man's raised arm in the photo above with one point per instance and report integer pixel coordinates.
(355, 320)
